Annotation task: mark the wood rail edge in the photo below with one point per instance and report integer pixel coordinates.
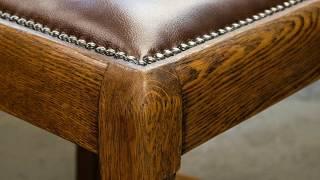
(240, 75)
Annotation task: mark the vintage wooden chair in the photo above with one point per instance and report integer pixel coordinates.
(140, 83)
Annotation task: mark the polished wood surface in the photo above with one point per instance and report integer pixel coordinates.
(50, 85)
(38, 74)
(140, 124)
(87, 166)
(141, 119)
(246, 72)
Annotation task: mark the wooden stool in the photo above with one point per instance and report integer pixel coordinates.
(140, 83)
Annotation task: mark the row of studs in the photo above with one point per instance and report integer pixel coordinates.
(148, 59)
(202, 39)
(70, 39)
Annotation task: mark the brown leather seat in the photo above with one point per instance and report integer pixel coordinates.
(138, 28)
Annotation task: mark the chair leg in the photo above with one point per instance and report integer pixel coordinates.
(140, 125)
(87, 165)
(88, 169)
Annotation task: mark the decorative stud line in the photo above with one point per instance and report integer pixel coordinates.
(215, 34)
(147, 59)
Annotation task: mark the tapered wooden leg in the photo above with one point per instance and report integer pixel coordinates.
(87, 165)
(140, 125)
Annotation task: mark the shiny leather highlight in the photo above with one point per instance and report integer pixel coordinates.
(139, 27)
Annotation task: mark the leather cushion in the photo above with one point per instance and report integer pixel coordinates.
(139, 27)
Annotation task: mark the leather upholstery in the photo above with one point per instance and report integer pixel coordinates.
(138, 27)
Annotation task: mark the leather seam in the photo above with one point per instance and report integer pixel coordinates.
(150, 58)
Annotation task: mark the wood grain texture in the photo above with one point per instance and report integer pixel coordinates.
(232, 80)
(87, 166)
(140, 124)
(224, 82)
(50, 85)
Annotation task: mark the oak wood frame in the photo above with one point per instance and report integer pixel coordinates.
(142, 119)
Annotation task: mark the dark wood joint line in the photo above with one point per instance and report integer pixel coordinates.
(140, 123)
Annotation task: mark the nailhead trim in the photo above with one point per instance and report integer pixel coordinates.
(157, 56)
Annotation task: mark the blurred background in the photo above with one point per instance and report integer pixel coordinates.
(280, 143)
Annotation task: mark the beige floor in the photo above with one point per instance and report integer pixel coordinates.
(282, 143)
